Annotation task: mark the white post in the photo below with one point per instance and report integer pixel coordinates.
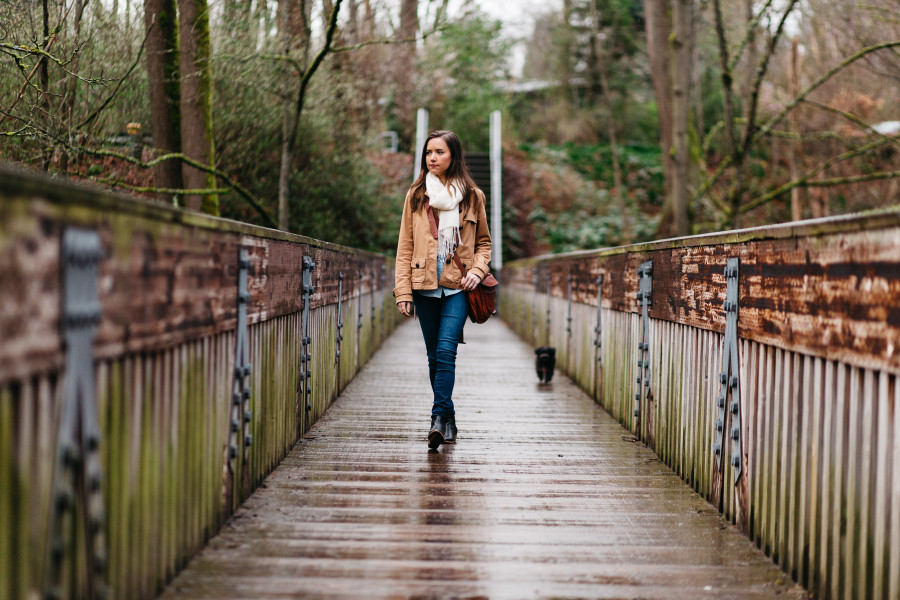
(496, 191)
(421, 135)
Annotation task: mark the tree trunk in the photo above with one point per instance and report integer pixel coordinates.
(196, 103)
(796, 145)
(594, 59)
(353, 22)
(565, 59)
(45, 83)
(162, 75)
(284, 173)
(67, 107)
(327, 5)
(602, 59)
(405, 103)
(369, 29)
(72, 91)
(618, 185)
(295, 35)
(261, 20)
(441, 14)
(659, 26)
(681, 79)
(731, 135)
(749, 60)
(697, 87)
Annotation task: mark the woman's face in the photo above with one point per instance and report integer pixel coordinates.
(437, 157)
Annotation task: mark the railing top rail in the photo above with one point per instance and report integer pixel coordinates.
(166, 275)
(71, 196)
(826, 287)
(883, 218)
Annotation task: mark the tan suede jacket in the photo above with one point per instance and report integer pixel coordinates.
(416, 266)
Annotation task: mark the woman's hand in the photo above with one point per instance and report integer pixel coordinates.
(404, 308)
(471, 281)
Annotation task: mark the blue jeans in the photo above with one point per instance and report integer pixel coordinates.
(442, 320)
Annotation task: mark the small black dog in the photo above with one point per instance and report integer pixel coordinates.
(545, 363)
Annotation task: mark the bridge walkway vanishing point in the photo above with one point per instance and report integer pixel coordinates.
(544, 496)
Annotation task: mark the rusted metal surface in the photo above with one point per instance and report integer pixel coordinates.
(544, 496)
(818, 327)
(167, 276)
(163, 363)
(828, 288)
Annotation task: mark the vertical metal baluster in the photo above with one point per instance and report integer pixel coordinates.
(569, 324)
(372, 304)
(241, 415)
(598, 330)
(645, 287)
(729, 376)
(78, 470)
(534, 289)
(359, 312)
(340, 319)
(549, 290)
(381, 299)
(305, 349)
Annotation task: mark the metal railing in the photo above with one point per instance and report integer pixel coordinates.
(155, 365)
(762, 366)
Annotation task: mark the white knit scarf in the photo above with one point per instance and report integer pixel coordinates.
(445, 199)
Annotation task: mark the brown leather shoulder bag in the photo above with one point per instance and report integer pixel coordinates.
(483, 299)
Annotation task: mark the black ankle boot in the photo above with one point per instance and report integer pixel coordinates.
(436, 433)
(450, 430)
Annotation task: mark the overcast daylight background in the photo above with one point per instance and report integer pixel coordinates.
(517, 17)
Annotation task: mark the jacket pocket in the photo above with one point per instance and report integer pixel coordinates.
(418, 269)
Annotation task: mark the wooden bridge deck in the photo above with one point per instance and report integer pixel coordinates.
(545, 496)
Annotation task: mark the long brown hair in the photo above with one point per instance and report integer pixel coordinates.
(457, 171)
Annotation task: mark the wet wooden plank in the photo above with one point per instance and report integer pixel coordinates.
(542, 497)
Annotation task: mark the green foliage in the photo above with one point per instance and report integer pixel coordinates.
(641, 166)
(337, 195)
(464, 64)
(340, 199)
(620, 21)
(577, 209)
(571, 60)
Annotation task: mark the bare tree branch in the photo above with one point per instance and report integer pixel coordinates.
(19, 52)
(765, 129)
(386, 41)
(818, 82)
(760, 73)
(153, 190)
(850, 117)
(115, 92)
(749, 34)
(804, 180)
(852, 179)
(30, 75)
(727, 80)
(241, 191)
(311, 70)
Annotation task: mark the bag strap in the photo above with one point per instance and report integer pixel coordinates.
(459, 264)
(434, 232)
(432, 222)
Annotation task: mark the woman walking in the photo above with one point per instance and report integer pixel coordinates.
(443, 213)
